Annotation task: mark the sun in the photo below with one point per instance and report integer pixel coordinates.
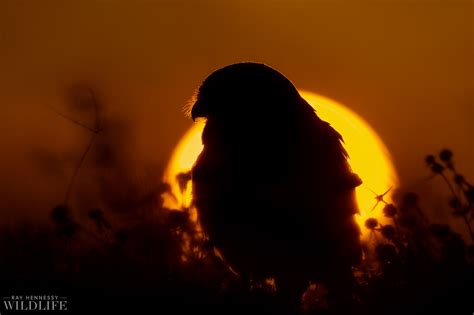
(368, 157)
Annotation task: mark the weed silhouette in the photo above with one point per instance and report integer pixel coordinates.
(162, 259)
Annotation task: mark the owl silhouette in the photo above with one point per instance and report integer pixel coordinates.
(273, 188)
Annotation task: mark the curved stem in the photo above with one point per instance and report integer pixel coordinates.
(466, 220)
(70, 119)
(78, 167)
(451, 188)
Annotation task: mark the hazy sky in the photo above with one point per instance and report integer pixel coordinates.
(405, 66)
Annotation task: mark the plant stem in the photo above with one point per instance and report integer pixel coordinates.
(468, 226)
(450, 187)
(78, 167)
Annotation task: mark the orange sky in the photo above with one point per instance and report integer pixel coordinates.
(405, 66)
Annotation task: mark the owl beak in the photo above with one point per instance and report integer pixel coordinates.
(197, 111)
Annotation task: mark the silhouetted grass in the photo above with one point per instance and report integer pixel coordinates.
(163, 260)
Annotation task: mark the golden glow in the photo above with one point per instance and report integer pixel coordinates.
(369, 157)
